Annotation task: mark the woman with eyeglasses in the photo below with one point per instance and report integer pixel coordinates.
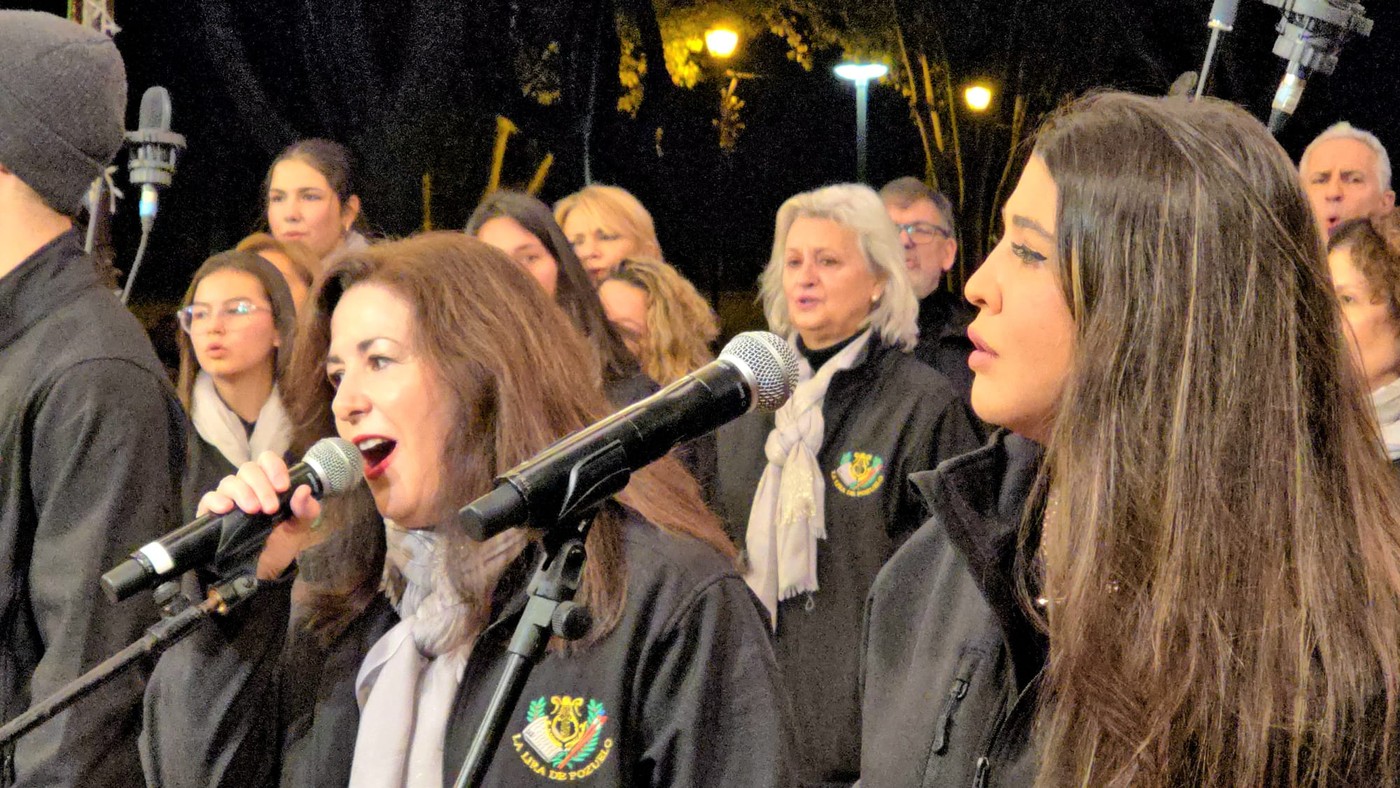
(238, 319)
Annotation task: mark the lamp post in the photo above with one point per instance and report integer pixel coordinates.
(861, 74)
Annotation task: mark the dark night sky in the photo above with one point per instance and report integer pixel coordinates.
(713, 212)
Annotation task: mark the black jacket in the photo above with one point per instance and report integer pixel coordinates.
(91, 453)
(205, 467)
(687, 682)
(943, 342)
(901, 412)
(951, 663)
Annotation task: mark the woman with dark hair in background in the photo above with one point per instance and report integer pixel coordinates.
(446, 365)
(816, 492)
(1364, 259)
(522, 227)
(311, 200)
(1181, 565)
(238, 320)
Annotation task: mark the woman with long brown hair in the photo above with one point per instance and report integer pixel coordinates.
(1179, 564)
(522, 227)
(237, 320)
(375, 663)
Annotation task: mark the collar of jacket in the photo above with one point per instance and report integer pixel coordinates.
(980, 499)
(873, 351)
(50, 278)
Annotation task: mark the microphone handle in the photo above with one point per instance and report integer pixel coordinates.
(197, 542)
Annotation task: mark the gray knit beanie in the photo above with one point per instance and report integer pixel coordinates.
(62, 104)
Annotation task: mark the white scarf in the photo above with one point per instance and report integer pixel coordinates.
(1387, 402)
(788, 514)
(408, 681)
(217, 424)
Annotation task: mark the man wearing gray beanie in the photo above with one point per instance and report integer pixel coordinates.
(91, 435)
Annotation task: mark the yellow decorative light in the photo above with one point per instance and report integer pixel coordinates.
(978, 97)
(721, 41)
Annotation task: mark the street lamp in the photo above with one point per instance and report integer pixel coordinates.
(721, 42)
(861, 74)
(978, 97)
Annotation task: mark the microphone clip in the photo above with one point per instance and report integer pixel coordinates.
(153, 157)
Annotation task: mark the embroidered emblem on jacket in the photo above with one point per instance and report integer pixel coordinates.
(859, 473)
(565, 744)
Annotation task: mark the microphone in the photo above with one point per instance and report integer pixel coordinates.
(331, 467)
(151, 165)
(1222, 20)
(756, 370)
(1311, 34)
(155, 148)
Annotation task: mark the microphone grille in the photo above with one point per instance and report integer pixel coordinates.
(771, 362)
(155, 108)
(339, 462)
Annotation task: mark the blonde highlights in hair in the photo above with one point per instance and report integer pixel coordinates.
(680, 323)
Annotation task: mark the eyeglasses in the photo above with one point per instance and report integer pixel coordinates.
(923, 232)
(232, 311)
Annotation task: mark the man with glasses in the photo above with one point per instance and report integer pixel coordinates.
(91, 436)
(925, 221)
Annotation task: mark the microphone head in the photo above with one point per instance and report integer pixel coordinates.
(337, 462)
(155, 108)
(770, 364)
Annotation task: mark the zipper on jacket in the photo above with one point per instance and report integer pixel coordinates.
(979, 779)
(955, 695)
(984, 763)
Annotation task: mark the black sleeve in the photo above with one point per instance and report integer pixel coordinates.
(105, 478)
(714, 712)
(951, 432)
(212, 711)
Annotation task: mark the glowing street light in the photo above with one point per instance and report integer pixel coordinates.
(978, 97)
(861, 74)
(721, 42)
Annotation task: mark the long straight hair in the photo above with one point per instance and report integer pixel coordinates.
(284, 316)
(512, 366)
(1222, 536)
(574, 291)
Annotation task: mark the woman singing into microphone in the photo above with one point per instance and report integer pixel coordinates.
(370, 654)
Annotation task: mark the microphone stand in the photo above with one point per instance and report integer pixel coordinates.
(161, 636)
(549, 611)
